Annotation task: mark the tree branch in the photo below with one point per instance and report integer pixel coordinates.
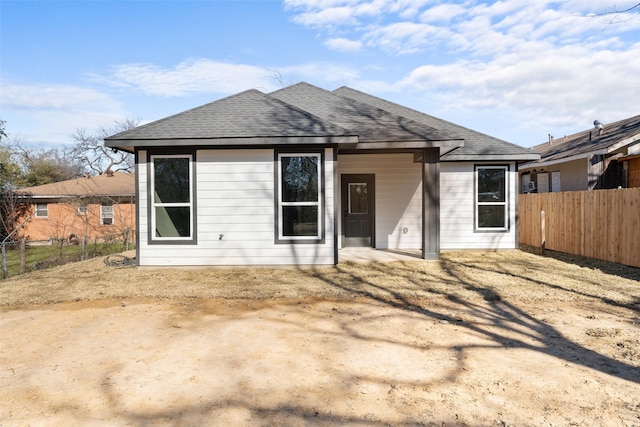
(616, 11)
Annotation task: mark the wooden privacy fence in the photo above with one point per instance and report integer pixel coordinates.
(603, 224)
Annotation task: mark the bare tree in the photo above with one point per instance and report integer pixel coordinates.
(89, 149)
(618, 14)
(3, 134)
(9, 169)
(13, 208)
(277, 75)
(33, 166)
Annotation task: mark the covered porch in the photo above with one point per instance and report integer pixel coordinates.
(389, 201)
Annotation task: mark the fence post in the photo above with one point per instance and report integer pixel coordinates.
(23, 256)
(543, 232)
(83, 248)
(5, 272)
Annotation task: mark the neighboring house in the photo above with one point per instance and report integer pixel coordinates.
(605, 156)
(93, 207)
(293, 176)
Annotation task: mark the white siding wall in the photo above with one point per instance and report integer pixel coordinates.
(457, 210)
(235, 199)
(236, 215)
(398, 184)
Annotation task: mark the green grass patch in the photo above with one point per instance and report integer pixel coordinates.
(45, 256)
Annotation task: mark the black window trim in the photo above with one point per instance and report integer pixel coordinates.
(194, 212)
(321, 196)
(507, 227)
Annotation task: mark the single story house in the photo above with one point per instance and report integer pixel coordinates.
(605, 156)
(93, 207)
(292, 176)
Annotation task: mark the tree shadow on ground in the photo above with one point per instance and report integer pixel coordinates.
(471, 305)
(455, 269)
(499, 317)
(612, 268)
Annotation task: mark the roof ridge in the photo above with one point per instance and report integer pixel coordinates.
(305, 112)
(389, 115)
(390, 112)
(306, 84)
(424, 114)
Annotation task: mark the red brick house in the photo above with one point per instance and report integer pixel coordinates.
(96, 208)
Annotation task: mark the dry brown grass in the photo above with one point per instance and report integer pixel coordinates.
(468, 275)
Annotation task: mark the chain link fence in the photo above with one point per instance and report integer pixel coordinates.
(23, 256)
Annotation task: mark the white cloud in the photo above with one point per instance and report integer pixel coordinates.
(321, 73)
(51, 113)
(343, 45)
(203, 76)
(334, 13)
(332, 16)
(442, 13)
(468, 26)
(56, 127)
(53, 97)
(561, 88)
(402, 37)
(550, 63)
(408, 9)
(191, 77)
(543, 61)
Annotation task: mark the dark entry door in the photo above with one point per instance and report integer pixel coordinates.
(358, 216)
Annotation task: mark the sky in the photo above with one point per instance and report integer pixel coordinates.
(514, 69)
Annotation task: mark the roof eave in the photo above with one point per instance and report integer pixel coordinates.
(224, 142)
(70, 196)
(444, 146)
(623, 143)
(488, 157)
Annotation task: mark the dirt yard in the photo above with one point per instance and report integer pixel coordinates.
(502, 339)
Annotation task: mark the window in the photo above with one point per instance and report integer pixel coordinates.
(42, 210)
(491, 198)
(106, 213)
(299, 204)
(83, 210)
(172, 203)
(358, 198)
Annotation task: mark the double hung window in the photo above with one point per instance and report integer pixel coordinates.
(299, 199)
(42, 210)
(106, 213)
(491, 213)
(172, 198)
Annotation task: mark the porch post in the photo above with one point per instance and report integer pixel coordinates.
(431, 203)
(336, 208)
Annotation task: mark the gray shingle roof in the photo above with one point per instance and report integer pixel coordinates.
(476, 144)
(249, 114)
(304, 114)
(370, 123)
(585, 142)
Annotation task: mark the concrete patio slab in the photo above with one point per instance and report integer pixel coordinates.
(367, 255)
